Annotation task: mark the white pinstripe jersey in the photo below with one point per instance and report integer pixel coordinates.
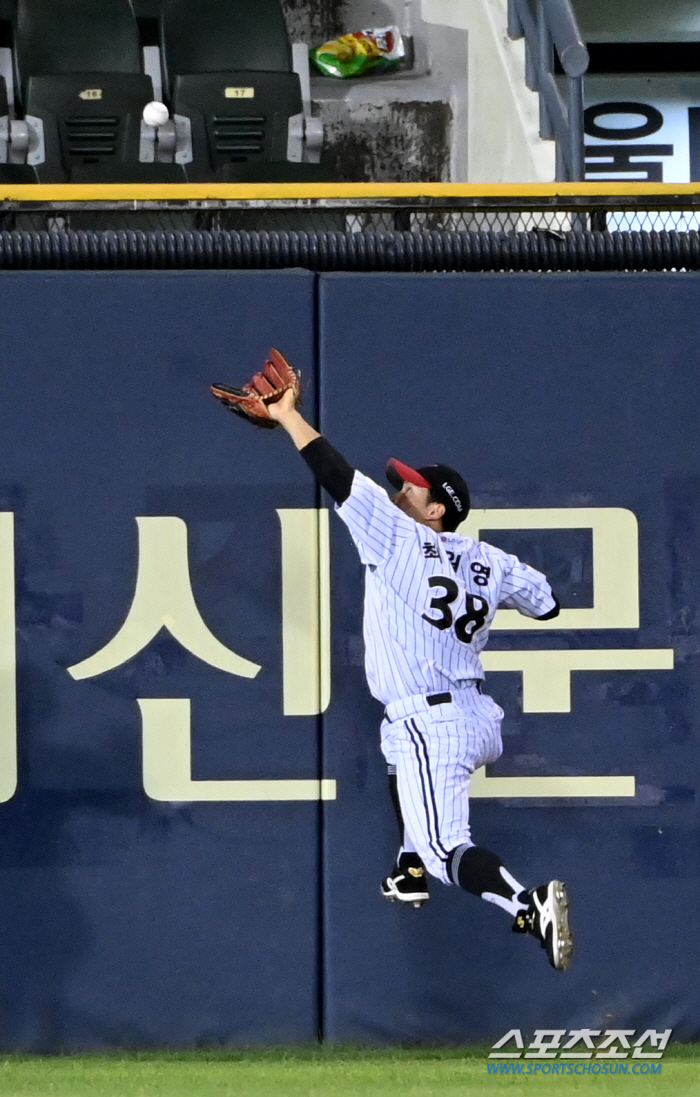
(430, 597)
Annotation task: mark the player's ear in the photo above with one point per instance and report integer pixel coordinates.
(436, 511)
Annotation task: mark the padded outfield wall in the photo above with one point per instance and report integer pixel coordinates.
(191, 850)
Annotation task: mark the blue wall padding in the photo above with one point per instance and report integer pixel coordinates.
(546, 391)
(130, 923)
(125, 921)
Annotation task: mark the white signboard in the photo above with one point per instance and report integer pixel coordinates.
(644, 129)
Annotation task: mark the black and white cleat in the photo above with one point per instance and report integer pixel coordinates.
(547, 919)
(408, 884)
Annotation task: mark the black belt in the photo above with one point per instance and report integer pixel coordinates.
(446, 698)
(439, 698)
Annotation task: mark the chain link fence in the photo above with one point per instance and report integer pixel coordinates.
(656, 232)
(556, 215)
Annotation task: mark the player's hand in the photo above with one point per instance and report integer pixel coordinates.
(282, 407)
(284, 412)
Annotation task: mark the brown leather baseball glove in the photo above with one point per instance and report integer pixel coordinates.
(266, 387)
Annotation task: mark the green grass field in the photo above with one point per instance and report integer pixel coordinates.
(320, 1072)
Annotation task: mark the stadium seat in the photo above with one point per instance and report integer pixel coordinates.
(235, 95)
(81, 83)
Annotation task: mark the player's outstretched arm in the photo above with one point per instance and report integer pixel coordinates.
(368, 514)
(328, 466)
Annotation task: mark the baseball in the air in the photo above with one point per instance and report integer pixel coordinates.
(155, 113)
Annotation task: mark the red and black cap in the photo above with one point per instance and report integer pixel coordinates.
(447, 486)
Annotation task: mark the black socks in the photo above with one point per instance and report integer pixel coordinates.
(482, 873)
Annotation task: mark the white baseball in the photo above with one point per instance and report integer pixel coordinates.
(155, 113)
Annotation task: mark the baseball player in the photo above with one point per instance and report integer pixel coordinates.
(430, 598)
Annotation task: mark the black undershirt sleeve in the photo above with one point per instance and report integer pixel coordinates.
(552, 613)
(330, 468)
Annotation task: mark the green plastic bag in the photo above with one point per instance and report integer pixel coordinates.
(380, 49)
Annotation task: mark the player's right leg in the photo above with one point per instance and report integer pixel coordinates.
(543, 912)
(547, 919)
(434, 760)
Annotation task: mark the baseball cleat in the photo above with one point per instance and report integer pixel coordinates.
(547, 919)
(409, 883)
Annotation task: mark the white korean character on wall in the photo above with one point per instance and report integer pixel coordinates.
(546, 672)
(163, 598)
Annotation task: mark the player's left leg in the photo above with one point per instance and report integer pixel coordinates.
(407, 882)
(414, 786)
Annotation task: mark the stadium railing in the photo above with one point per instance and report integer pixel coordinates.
(552, 26)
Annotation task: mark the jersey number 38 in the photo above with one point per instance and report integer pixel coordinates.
(467, 623)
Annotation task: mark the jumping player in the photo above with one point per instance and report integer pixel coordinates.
(430, 598)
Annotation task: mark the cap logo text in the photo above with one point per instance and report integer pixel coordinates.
(454, 497)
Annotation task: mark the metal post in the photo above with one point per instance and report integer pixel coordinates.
(530, 68)
(575, 112)
(515, 27)
(599, 220)
(567, 37)
(545, 64)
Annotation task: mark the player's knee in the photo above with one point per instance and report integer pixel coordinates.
(473, 868)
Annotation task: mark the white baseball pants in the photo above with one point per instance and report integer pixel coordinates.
(435, 750)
